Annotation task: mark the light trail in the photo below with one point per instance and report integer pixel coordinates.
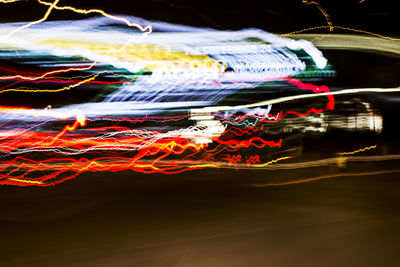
(352, 42)
(357, 151)
(331, 161)
(329, 176)
(326, 15)
(101, 12)
(342, 28)
(162, 104)
(10, 1)
(146, 30)
(30, 90)
(53, 5)
(46, 15)
(297, 97)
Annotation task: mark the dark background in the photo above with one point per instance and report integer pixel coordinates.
(275, 16)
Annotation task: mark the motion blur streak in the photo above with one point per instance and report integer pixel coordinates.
(181, 99)
(82, 11)
(357, 151)
(145, 30)
(342, 28)
(316, 178)
(46, 15)
(352, 42)
(335, 161)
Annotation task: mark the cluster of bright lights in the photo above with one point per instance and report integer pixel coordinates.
(167, 109)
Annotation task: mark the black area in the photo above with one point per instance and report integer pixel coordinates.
(274, 16)
(363, 69)
(204, 219)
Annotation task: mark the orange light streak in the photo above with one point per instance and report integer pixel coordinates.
(342, 28)
(326, 15)
(357, 151)
(321, 177)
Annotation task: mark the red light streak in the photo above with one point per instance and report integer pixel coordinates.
(115, 148)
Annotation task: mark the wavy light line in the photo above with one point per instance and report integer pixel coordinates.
(357, 151)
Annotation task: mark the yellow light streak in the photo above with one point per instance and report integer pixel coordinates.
(31, 90)
(326, 15)
(357, 151)
(321, 177)
(24, 181)
(101, 12)
(146, 30)
(207, 165)
(296, 97)
(46, 15)
(154, 55)
(10, 1)
(271, 162)
(339, 27)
